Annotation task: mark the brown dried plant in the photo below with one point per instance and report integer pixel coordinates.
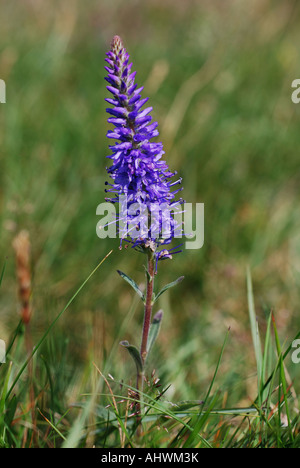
(22, 248)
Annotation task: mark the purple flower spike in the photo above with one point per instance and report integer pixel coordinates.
(137, 170)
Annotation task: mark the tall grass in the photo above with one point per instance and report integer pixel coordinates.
(105, 417)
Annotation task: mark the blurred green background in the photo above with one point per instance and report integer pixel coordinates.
(218, 75)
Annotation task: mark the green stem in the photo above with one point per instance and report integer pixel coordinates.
(148, 306)
(146, 328)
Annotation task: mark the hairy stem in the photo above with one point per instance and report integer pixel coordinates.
(148, 306)
(145, 334)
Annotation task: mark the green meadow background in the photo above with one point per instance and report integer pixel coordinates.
(218, 75)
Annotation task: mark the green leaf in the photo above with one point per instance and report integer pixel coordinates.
(168, 286)
(134, 353)
(282, 380)
(3, 406)
(4, 391)
(255, 332)
(154, 330)
(148, 276)
(132, 284)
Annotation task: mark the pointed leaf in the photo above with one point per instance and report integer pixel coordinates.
(132, 284)
(154, 330)
(148, 276)
(134, 353)
(168, 286)
(254, 329)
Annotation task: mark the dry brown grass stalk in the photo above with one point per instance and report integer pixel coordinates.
(22, 248)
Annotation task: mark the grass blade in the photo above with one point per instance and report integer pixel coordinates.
(282, 379)
(255, 334)
(2, 403)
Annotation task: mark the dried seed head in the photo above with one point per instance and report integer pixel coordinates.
(21, 245)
